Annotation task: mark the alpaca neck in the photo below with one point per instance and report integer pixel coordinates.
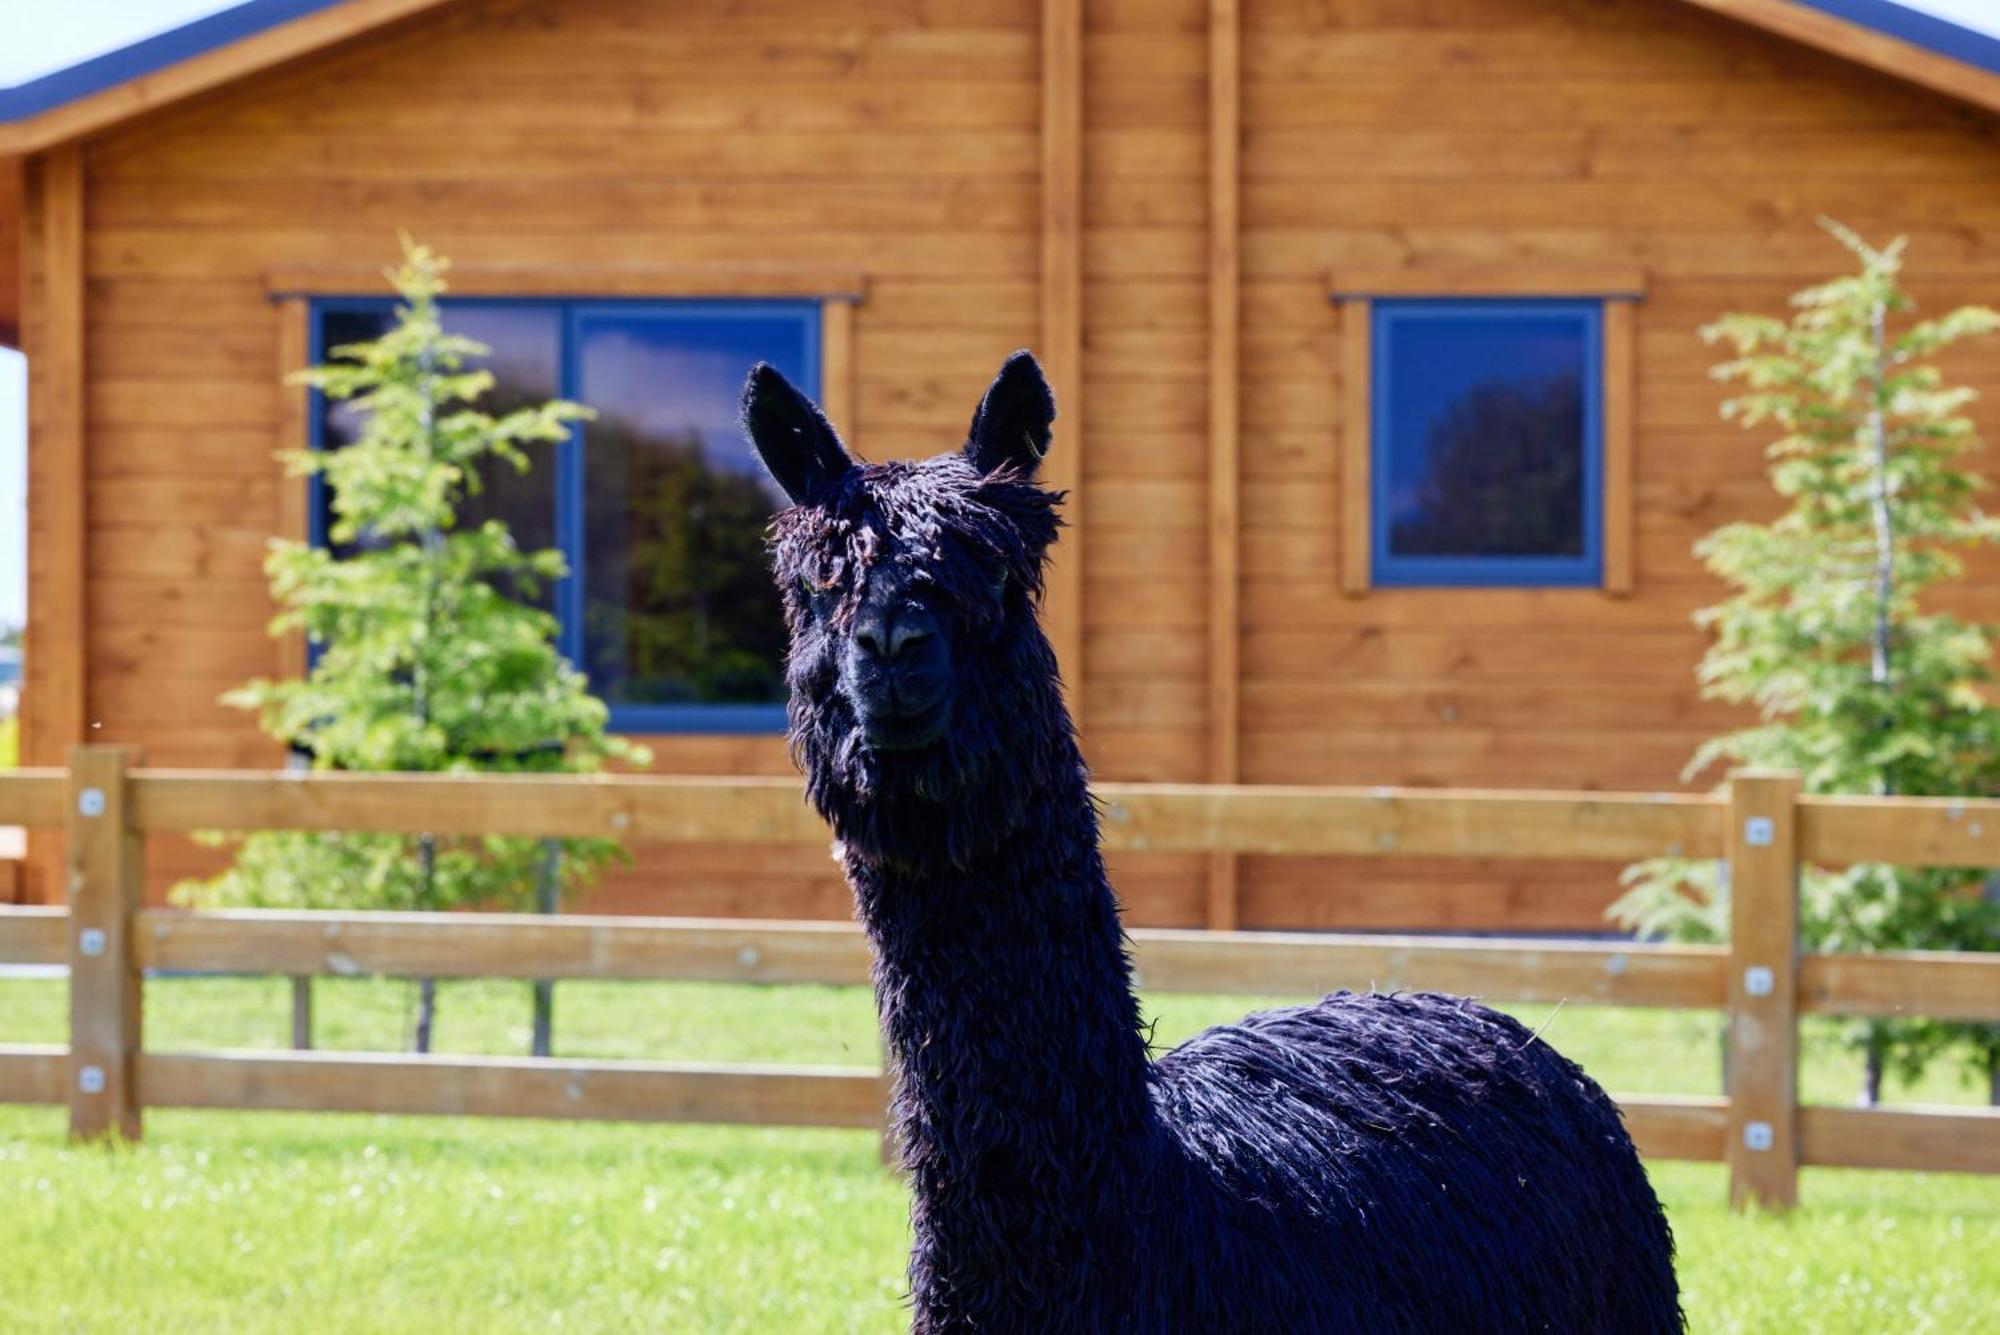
(1006, 1002)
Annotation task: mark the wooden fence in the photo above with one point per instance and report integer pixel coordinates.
(1762, 826)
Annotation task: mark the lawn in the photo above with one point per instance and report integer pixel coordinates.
(283, 1222)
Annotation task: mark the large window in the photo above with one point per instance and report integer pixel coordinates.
(658, 503)
(1486, 440)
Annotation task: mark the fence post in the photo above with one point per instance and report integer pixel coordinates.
(107, 866)
(1762, 1146)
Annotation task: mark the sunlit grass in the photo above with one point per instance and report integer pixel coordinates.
(269, 1222)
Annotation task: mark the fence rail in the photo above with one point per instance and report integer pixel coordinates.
(1761, 980)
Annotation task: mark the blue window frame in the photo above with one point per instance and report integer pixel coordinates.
(1486, 443)
(658, 504)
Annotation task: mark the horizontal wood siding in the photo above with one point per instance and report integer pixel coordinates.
(1145, 366)
(896, 140)
(1525, 135)
(901, 140)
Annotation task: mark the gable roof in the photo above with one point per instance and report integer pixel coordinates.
(258, 34)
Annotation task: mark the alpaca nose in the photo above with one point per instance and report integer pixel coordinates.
(887, 638)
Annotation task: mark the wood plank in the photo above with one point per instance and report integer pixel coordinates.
(669, 809)
(1922, 1140)
(837, 365)
(1405, 822)
(1169, 960)
(1159, 818)
(1762, 1148)
(1939, 985)
(34, 797)
(1617, 406)
(107, 871)
(1605, 281)
(1225, 375)
(1676, 1128)
(1281, 964)
(493, 945)
(497, 1087)
(1911, 831)
(587, 280)
(1356, 465)
(294, 353)
(30, 935)
(52, 714)
(32, 1072)
(1062, 240)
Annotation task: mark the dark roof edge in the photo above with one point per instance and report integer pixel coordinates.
(1940, 36)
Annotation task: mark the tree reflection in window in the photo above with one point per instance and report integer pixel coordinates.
(678, 606)
(1486, 425)
(659, 506)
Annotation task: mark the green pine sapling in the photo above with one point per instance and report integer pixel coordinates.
(427, 656)
(1860, 684)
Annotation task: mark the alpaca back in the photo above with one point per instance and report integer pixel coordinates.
(1400, 1164)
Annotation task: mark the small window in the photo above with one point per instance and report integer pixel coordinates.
(657, 503)
(1486, 442)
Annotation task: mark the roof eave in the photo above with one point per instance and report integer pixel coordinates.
(205, 70)
(1864, 45)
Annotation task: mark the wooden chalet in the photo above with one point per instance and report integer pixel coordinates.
(1373, 323)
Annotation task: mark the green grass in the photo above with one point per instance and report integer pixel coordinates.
(284, 1222)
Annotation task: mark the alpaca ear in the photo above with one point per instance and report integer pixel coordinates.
(792, 437)
(1012, 424)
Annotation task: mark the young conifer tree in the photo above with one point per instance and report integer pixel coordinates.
(427, 655)
(1833, 633)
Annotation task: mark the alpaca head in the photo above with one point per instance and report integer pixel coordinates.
(910, 590)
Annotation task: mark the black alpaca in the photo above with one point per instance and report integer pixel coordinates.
(1366, 1163)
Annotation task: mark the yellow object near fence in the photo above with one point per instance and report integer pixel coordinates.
(1761, 980)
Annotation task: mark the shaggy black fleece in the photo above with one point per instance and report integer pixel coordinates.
(1362, 1164)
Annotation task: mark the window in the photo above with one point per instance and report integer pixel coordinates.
(1486, 436)
(658, 503)
(1486, 428)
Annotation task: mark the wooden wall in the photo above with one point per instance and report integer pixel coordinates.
(906, 139)
(1536, 134)
(900, 139)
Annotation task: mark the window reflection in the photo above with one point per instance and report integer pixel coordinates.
(678, 606)
(1486, 436)
(526, 363)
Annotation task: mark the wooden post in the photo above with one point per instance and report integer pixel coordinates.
(1061, 347)
(1224, 432)
(55, 665)
(1762, 1142)
(106, 880)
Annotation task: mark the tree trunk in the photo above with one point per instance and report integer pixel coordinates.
(427, 987)
(426, 1013)
(547, 892)
(1871, 1072)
